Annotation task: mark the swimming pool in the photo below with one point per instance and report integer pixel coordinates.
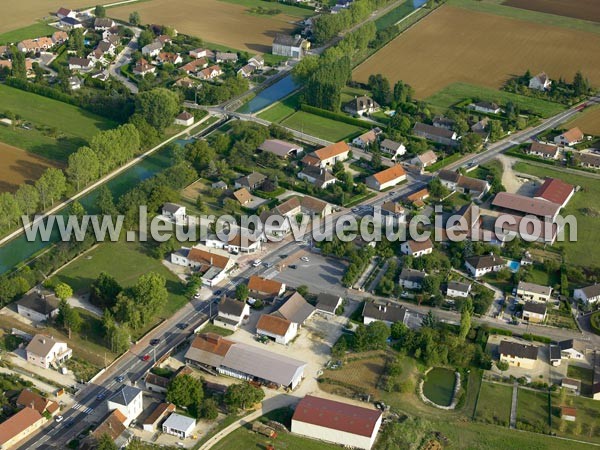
(513, 265)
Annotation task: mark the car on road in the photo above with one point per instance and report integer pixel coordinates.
(197, 295)
(293, 266)
(58, 419)
(120, 379)
(305, 259)
(100, 397)
(69, 423)
(218, 292)
(283, 256)
(256, 263)
(268, 265)
(146, 357)
(154, 341)
(182, 326)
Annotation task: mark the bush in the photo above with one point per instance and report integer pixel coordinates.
(595, 322)
(535, 337)
(502, 365)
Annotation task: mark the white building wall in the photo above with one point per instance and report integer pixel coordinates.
(454, 293)
(335, 436)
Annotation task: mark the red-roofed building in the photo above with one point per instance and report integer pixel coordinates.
(569, 137)
(386, 178)
(555, 191)
(337, 422)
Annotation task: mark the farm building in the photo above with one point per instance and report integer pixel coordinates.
(295, 309)
(515, 203)
(337, 422)
(280, 330)
(216, 354)
(283, 149)
(290, 46)
(555, 191)
(386, 178)
(436, 134)
(328, 303)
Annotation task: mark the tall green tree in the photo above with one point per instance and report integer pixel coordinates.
(380, 88)
(28, 199)
(100, 11)
(105, 202)
(76, 41)
(68, 318)
(104, 290)
(9, 210)
(83, 167)
(158, 107)
(242, 396)
(241, 292)
(19, 68)
(185, 391)
(105, 442)
(465, 319)
(51, 186)
(581, 85)
(63, 291)
(134, 18)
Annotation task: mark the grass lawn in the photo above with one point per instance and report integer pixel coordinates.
(282, 109)
(457, 92)
(496, 7)
(585, 206)
(290, 10)
(584, 375)
(74, 125)
(395, 15)
(321, 127)
(126, 261)
(532, 409)
(210, 328)
(588, 413)
(494, 404)
(348, 93)
(29, 32)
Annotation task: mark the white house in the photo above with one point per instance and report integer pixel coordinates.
(546, 151)
(362, 105)
(411, 279)
(386, 178)
(568, 350)
(175, 212)
(569, 137)
(340, 423)
(486, 107)
(534, 312)
(153, 49)
(328, 156)
(232, 313)
(540, 82)
(178, 425)
(458, 289)
(533, 292)
(279, 329)
(128, 400)
(38, 306)
(416, 249)
(588, 294)
(480, 265)
(213, 267)
(185, 118)
(80, 63)
(46, 352)
(388, 313)
(239, 242)
(65, 12)
(366, 139)
(392, 148)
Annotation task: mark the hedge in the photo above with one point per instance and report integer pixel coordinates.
(535, 337)
(500, 331)
(334, 116)
(521, 155)
(444, 162)
(595, 322)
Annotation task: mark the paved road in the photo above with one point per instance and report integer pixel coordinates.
(124, 58)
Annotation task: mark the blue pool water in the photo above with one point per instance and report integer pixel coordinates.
(514, 266)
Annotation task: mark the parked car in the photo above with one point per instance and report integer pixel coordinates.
(100, 397)
(154, 341)
(182, 326)
(120, 379)
(58, 419)
(146, 357)
(305, 259)
(256, 263)
(293, 266)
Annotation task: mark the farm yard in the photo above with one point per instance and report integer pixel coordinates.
(581, 9)
(229, 24)
(492, 48)
(588, 121)
(18, 167)
(22, 14)
(56, 128)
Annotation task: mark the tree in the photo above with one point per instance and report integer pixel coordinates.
(158, 107)
(117, 337)
(429, 321)
(76, 41)
(209, 409)
(431, 285)
(242, 396)
(28, 199)
(241, 292)
(83, 167)
(146, 37)
(149, 295)
(470, 143)
(465, 319)
(134, 18)
(105, 442)
(185, 391)
(19, 68)
(581, 85)
(398, 330)
(100, 11)
(104, 290)
(105, 202)
(302, 290)
(377, 335)
(63, 291)
(339, 349)
(380, 87)
(9, 210)
(51, 186)
(502, 365)
(76, 209)
(67, 317)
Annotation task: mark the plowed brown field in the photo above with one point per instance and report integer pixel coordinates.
(218, 22)
(453, 44)
(578, 9)
(19, 166)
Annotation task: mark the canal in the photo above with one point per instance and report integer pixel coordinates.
(270, 95)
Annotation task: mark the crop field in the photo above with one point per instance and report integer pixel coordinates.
(21, 14)
(459, 45)
(226, 23)
(18, 166)
(588, 121)
(321, 127)
(580, 9)
(57, 128)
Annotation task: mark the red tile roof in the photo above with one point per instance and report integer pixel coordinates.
(332, 150)
(18, 423)
(264, 285)
(206, 257)
(337, 415)
(273, 324)
(212, 343)
(573, 135)
(525, 205)
(390, 174)
(555, 191)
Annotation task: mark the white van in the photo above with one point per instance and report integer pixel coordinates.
(256, 263)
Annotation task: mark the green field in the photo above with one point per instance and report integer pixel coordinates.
(290, 10)
(496, 7)
(588, 414)
(32, 31)
(282, 109)
(532, 409)
(74, 126)
(584, 205)
(321, 127)
(126, 261)
(457, 92)
(395, 15)
(494, 403)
